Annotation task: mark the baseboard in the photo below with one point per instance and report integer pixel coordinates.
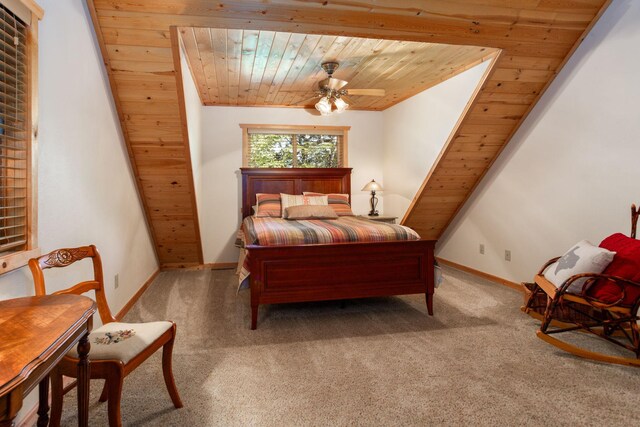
(209, 266)
(136, 296)
(178, 266)
(31, 418)
(491, 277)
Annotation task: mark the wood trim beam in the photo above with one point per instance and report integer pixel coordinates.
(175, 47)
(155, 145)
(454, 133)
(438, 233)
(123, 125)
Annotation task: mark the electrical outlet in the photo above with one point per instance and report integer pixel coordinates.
(116, 281)
(507, 255)
(482, 248)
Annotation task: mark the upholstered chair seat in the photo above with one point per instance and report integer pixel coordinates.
(123, 341)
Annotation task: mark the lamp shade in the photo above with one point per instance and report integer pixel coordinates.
(372, 186)
(324, 106)
(340, 105)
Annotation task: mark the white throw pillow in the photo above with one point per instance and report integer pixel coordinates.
(582, 258)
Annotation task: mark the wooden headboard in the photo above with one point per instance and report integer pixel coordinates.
(292, 181)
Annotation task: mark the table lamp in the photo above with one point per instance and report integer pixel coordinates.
(373, 186)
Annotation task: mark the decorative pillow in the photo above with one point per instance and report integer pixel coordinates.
(268, 205)
(310, 212)
(300, 200)
(582, 258)
(625, 264)
(339, 202)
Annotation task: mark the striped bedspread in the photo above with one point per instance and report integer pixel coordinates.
(279, 232)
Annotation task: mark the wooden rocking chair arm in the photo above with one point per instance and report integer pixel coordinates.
(591, 277)
(547, 264)
(600, 276)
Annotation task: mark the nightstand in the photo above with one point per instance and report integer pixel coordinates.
(381, 218)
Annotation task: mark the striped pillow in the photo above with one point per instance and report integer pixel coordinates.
(288, 200)
(339, 202)
(268, 205)
(310, 212)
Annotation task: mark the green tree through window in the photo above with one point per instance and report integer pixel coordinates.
(270, 151)
(317, 151)
(296, 150)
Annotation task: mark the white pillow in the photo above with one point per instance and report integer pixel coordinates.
(582, 258)
(289, 200)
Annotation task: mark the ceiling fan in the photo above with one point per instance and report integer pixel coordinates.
(331, 91)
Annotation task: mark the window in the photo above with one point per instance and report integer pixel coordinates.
(18, 62)
(280, 146)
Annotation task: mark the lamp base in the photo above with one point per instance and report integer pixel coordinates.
(373, 202)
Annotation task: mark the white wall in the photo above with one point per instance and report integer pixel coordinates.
(222, 158)
(416, 130)
(193, 108)
(86, 189)
(571, 171)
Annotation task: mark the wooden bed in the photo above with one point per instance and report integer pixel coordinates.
(282, 274)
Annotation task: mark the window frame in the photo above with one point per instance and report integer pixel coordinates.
(20, 258)
(341, 131)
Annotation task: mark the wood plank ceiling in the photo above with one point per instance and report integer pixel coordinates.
(258, 68)
(138, 39)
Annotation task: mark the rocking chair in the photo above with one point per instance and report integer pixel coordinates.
(607, 305)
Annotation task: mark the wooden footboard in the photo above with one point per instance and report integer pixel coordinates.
(281, 274)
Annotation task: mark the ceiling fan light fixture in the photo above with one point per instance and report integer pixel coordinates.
(324, 106)
(340, 104)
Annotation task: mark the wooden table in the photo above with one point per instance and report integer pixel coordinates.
(36, 332)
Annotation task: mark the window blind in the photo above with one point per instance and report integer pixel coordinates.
(14, 139)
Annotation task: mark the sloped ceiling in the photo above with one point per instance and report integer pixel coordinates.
(267, 68)
(139, 43)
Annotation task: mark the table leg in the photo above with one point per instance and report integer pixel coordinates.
(84, 368)
(43, 404)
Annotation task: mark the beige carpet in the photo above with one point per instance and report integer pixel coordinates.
(380, 361)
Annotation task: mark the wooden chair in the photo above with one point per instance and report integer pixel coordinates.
(614, 321)
(116, 348)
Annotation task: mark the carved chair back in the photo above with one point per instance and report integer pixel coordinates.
(61, 258)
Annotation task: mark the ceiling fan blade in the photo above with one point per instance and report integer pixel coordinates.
(331, 83)
(366, 92)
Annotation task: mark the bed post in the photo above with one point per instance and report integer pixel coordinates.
(255, 302)
(430, 280)
(254, 316)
